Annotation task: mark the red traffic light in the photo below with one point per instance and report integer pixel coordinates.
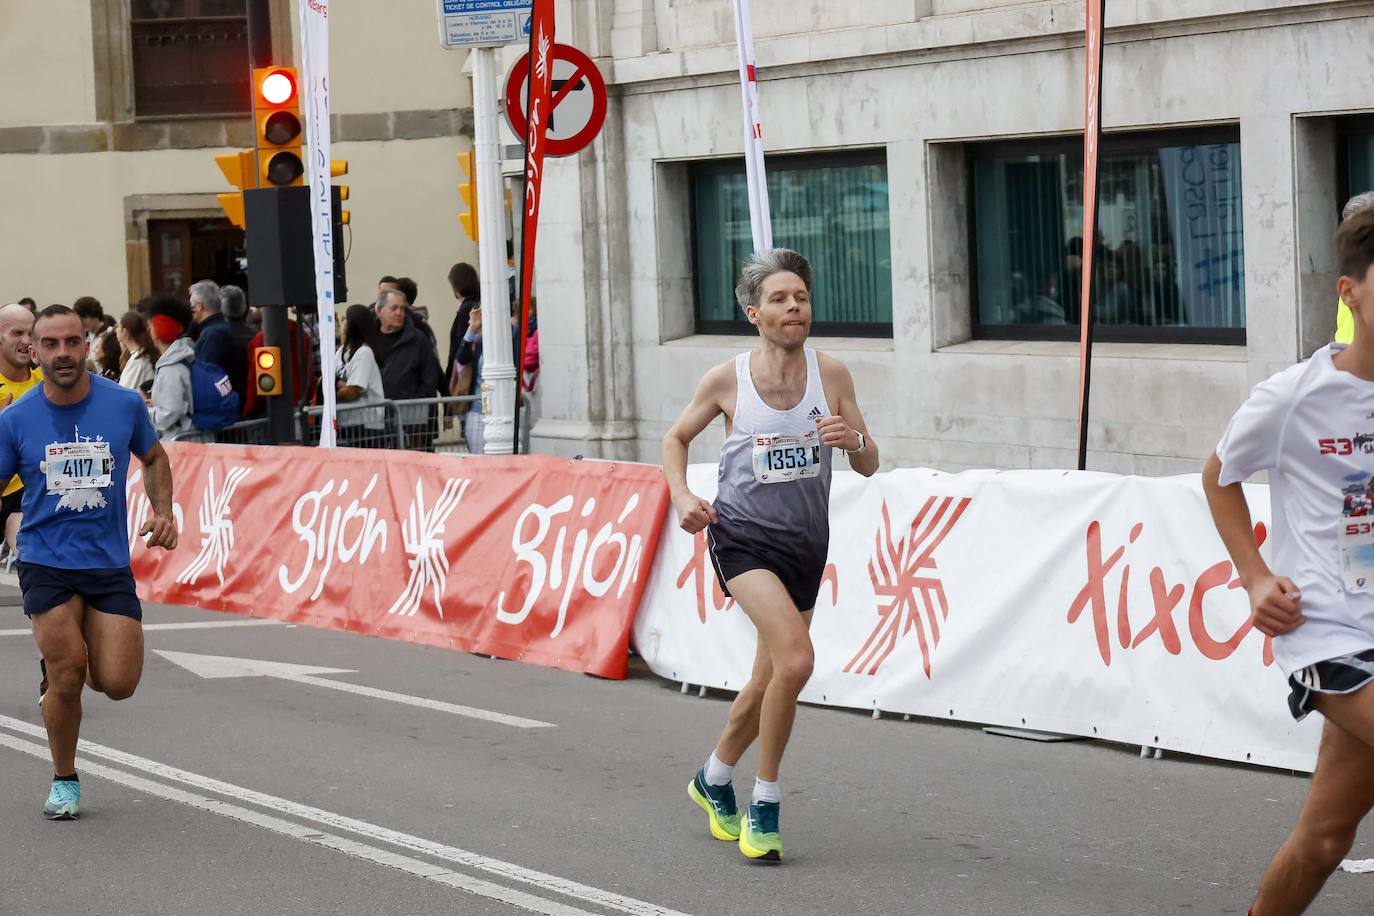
(267, 359)
(277, 87)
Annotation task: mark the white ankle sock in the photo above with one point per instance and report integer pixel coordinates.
(767, 792)
(717, 773)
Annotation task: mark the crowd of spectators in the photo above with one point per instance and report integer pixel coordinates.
(386, 351)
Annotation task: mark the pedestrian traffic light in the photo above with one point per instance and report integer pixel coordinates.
(338, 167)
(239, 170)
(267, 370)
(277, 120)
(468, 190)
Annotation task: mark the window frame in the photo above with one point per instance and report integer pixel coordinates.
(1122, 142)
(185, 22)
(856, 156)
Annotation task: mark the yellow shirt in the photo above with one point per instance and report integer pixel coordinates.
(1345, 323)
(15, 390)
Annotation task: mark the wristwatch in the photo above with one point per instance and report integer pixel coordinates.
(863, 444)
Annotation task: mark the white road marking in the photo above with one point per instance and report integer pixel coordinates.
(217, 666)
(376, 855)
(545, 882)
(193, 625)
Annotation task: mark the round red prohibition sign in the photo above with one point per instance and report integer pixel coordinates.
(579, 101)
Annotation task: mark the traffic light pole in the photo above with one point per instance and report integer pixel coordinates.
(276, 328)
(498, 363)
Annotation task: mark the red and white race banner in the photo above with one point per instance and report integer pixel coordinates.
(1080, 603)
(530, 558)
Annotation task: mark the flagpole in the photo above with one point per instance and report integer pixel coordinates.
(1092, 142)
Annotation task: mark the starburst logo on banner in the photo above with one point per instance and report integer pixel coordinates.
(910, 596)
(216, 527)
(423, 534)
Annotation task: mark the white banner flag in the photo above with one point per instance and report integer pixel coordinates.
(315, 83)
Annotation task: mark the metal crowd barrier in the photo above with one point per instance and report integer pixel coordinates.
(422, 424)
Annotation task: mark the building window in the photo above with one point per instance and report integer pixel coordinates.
(1357, 159)
(1170, 243)
(190, 57)
(830, 207)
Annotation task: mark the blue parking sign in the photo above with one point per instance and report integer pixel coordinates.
(483, 23)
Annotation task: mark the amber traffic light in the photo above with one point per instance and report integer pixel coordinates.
(277, 127)
(468, 191)
(267, 370)
(239, 169)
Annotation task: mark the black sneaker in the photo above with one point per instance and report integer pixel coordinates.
(43, 684)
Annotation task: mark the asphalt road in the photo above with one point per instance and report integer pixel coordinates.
(246, 795)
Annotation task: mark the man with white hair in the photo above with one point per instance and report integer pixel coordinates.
(215, 342)
(1345, 320)
(16, 378)
(786, 407)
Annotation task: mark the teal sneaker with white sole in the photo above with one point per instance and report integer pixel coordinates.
(759, 838)
(719, 804)
(64, 800)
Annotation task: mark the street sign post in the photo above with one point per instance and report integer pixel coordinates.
(578, 105)
(483, 23)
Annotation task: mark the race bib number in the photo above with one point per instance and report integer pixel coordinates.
(79, 466)
(781, 459)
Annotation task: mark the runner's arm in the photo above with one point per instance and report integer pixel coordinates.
(157, 482)
(840, 430)
(694, 513)
(1275, 602)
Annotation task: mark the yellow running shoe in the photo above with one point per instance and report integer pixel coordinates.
(759, 839)
(719, 804)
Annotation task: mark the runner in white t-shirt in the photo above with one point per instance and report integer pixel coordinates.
(1312, 428)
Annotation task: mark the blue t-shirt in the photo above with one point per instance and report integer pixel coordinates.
(74, 461)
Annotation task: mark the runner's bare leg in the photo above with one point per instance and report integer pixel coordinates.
(60, 640)
(742, 726)
(1341, 794)
(114, 649)
(784, 633)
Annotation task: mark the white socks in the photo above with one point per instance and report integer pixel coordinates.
(717, 773)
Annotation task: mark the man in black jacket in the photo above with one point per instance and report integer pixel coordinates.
(215, 341)
(410, 368)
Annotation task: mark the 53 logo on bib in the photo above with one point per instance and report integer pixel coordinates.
(780, 459)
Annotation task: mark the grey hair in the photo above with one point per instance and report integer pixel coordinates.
(207, 291)
(762, 265)
(1358, 204)
(234, 303)
(387, 294)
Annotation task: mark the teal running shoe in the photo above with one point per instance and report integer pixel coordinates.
(760, 839)
(64, 800)
(719, 804)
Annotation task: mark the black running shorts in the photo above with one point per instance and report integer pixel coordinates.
(798, 562)
(1345, 674)
(109, 590)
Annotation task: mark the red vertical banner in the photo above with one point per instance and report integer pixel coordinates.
(538, 107)
(1092, 141)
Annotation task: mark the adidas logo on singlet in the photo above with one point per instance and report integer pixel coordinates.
(815, 413)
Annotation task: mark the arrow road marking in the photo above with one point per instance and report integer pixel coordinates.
(546, 883)
(218, 666)
(193, 625)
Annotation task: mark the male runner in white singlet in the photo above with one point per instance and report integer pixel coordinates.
(785, 408)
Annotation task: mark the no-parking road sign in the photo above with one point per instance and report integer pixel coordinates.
(578, 103)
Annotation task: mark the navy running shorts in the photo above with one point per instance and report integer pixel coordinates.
(799, 563)
(1345, 674)
(109, 590)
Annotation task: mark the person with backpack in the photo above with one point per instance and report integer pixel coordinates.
(215, 340)
(187, 395)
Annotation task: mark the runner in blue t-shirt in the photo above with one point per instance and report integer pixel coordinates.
(70, 441)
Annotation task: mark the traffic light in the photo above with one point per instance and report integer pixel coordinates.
(277, 127)
(338, 167)
(267, 371)
(468, 190)
(238, 168)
